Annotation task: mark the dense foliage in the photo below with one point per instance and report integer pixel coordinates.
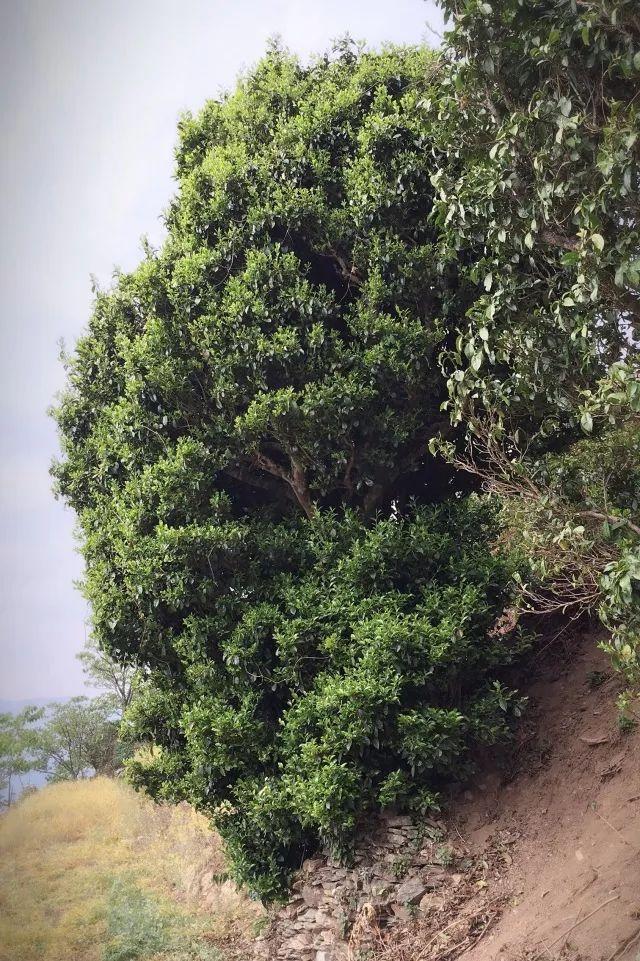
(245, 443)
(540, 109)
(350, 675)
(540, 104)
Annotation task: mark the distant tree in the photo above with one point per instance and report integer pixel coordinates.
(114, 677)
(78, 737)
(18, 748)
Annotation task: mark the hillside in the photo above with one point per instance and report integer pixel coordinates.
(536, 861)
(94, 872)
(571, 820)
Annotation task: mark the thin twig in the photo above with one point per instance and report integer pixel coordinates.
(482, 933)
(619, 833)
(460, 920)
(626, 944)
(566, 934)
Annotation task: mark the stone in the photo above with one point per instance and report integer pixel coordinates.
(384, 871)
(328, 925)
(326, 896)
(380, 888)
(335, 874)
(307, 918)
(435, 877)
(410, 891)
(397, 820)
(300, 942)
(291, 909)
(312, 895)
(426, 902)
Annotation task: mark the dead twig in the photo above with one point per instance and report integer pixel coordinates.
(626, 944)
(619, 833)
(577, 924)
(459, 920)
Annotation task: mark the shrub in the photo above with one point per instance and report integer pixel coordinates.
(542, 99)
(364, 678)
(244, 441)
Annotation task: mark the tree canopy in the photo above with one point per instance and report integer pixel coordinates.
(284, 342)
(540, 102)
(539, 108)
(245, 443)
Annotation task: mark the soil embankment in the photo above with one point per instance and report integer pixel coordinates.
(572, 815)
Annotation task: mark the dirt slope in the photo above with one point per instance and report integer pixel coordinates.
(568, 825)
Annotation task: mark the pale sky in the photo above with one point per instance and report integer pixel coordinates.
(90, 93)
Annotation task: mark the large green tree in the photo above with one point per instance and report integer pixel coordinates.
(541, 100)
(245, 443)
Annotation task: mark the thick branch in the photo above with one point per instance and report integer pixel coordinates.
(349, 272)
(297, 479)
(612, 519)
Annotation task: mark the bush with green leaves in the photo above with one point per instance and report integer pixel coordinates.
(357, 672)
(244, 441)
(360, 676)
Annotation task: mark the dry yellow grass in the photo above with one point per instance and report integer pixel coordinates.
(93, 872)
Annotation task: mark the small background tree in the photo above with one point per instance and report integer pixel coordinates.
(77, 739)
(18, 749)
(114, 678)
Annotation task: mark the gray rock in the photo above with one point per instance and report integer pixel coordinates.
(312, 895)
(410, 891)
(401, 912)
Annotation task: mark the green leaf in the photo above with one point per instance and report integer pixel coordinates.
(586, 422)
(598, 241)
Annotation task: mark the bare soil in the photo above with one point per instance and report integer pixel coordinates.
(545, 848)
(568, 824)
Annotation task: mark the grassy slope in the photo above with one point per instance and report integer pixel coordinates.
(93, 872)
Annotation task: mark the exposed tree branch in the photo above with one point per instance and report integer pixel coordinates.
(296, 479)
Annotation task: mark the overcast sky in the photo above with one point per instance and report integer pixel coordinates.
(90, 93)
